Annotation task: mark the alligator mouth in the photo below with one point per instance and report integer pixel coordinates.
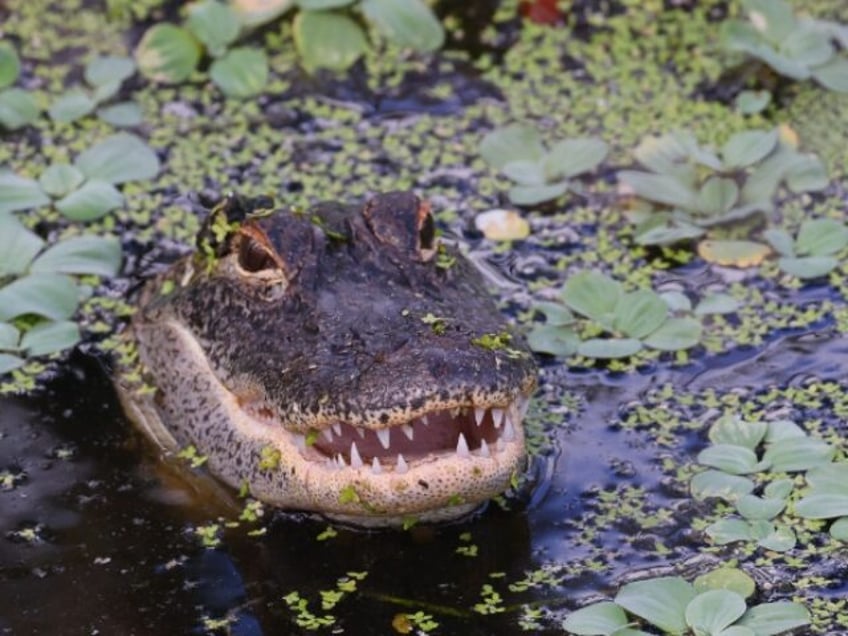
(465, 432)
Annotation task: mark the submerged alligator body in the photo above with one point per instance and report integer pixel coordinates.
(340, 361)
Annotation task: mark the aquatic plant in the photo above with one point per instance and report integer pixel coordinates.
(827, 497)
(714, 605)
(740, 448)
(84, 190)
(798, 48)
(17, 106)
(38, 296)
(171, 54)
(691, 189)
(540, 173)
(812, 252)
(621, 323)
(104, 76)
(327, 34)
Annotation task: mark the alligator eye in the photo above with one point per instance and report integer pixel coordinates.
(254, 257)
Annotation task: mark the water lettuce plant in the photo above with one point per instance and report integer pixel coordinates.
(38, 295)
(798, 48)
(619, 323)
(741, 448)
(170, 53)
(812, 253)
(712, 606)
(827, 497)
(103, 76)
(17, 106)
(540, 173)
(691, 189)
(84, 190)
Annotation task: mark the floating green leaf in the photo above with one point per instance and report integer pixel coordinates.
(726, 578)
(839, 529)
(9, 362)
(808, 266)
(748, 147)
(9, 337)
(121, 115)
(676, 334)
(733, 430)
(10, 64)
(81, 255)
(321, 5)
(20, 193)
(726, 531)
(553, 339)
(593, 295)
(736, 460)
(71, 106)
(833, 75)
(821, 237)
(531, 195)
(17, 108)
(823, 506)
(325, 39)
(638, 314)
(781, 241)
(661, 601)
(798, 454)
(525, 172)
(779, 489)
(717, 304)
(108, 70)
(18, 246)
(60, 178)
(829, 478)
(599, 618)
(93, 200)
(718, 195)
(406, 22)
(775, 618)
(779, 539)
(715, 483)
(752, 102)
(753, 507)
(241, 72)
(119, 158)
(167, 53)
(609, 348)
(713, 611)
(214, 23)
(515, 142)
(53, 296)
(50, 337)
(571, 157)
(660, 188)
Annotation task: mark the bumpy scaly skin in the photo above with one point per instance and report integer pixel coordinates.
(299, 334)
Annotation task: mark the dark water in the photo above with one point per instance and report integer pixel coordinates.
(97, 538)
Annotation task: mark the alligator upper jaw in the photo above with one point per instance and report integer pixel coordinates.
(458, 432)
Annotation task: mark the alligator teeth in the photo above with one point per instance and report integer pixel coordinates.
(361, 431)
(523, 405)
(462, 446)
(337, 428)
(484, 449)
(479, 414)
(500, 446)
(375, 466)
(340, 462)
(407, 430)
(328, 433)
(512, 414)
(355, 459)
(383, 436)
(455, 412)
(300, 441)
(497, 417)
(509, 432)
(424, 420)
(401, 467)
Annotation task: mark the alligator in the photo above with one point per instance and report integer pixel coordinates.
(344, 361)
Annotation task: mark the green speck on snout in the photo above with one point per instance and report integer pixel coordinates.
(348, 494)
(438, 325)
(269, 458)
